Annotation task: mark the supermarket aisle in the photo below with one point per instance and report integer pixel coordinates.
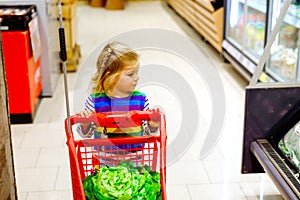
(42, 167)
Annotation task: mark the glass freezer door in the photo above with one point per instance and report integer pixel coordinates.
(235, 24)
(255, 28)
(283, 64)
(246, 26)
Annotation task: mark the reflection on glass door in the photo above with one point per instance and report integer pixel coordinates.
(284, 52)
(247, 25)
(236, 23)
(255, 27)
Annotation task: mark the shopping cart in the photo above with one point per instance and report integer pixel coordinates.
(86, 155)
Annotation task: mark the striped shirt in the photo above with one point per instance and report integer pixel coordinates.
(101, 102)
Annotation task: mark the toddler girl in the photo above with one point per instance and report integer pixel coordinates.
(113, 90)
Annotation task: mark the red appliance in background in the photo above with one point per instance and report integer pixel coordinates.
(21, 49)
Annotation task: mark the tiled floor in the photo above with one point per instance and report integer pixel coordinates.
(41, 155)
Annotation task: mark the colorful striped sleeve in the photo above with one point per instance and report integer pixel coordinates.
(146, 105)
(145, 125)
(89, 104)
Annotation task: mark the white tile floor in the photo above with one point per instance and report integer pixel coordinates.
(41, 156)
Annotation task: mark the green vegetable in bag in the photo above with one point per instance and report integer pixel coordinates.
(290, 145)
(123, 182)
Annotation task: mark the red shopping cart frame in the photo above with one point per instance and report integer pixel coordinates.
(88, 154)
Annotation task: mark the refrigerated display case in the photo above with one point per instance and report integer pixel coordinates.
(244, 35)
(283, 64)
(272, 110)
(247, 30)
(270, 139)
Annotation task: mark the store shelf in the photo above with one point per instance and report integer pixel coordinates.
(203, 17)
(206, 4)
(292, 20)
(256, 5)
(184, 9)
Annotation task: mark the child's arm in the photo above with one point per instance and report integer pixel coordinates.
(150, 126)
(87, 129)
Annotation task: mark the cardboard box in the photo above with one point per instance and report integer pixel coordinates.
(66, 1)
(97, 3)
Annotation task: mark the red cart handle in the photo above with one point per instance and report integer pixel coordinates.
(113, 119)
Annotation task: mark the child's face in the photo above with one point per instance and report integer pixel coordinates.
(127, 82)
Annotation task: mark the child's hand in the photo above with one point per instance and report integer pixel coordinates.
(154, 122)
(87, 128)
(155, 114)
(85, 113)
(153, 126)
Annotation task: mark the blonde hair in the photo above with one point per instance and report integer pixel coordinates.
(113, 59)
